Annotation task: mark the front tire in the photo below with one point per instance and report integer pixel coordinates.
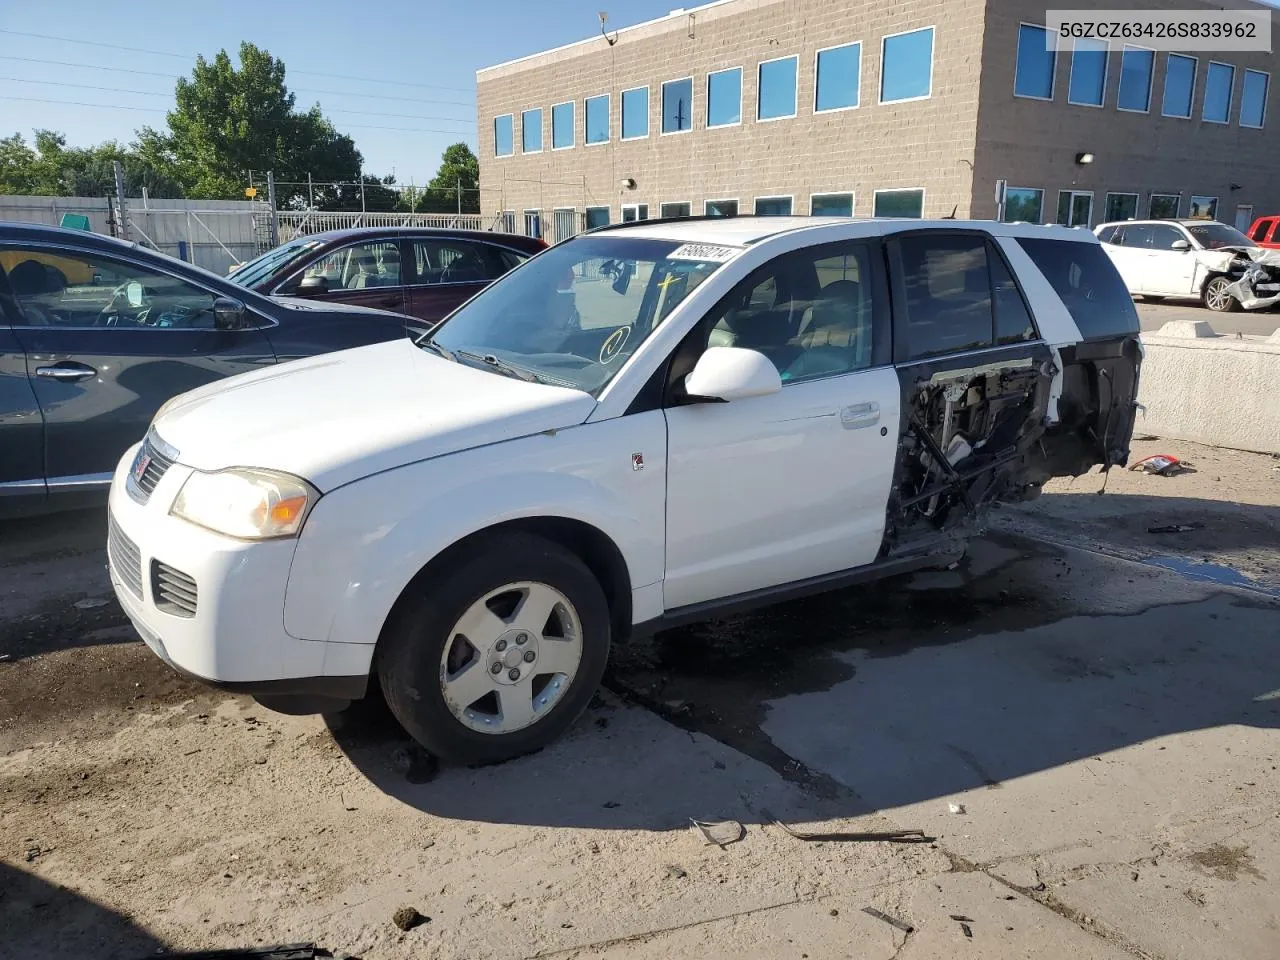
(1216, 297)
(500, 655)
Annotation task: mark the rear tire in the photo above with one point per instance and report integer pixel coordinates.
(500, 655)
(1216, 297)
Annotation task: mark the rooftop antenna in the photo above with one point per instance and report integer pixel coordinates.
(604, 18)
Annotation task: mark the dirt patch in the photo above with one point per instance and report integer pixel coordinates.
(1226, 863)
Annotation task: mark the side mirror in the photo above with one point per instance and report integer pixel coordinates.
(723, 374)
(228, 314)
(1180, 245)
(313, 286)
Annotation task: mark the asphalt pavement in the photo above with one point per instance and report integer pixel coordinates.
(1260, 323)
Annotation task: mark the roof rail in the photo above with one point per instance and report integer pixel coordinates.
(702, 216)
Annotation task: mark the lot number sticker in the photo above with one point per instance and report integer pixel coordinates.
(704, 251)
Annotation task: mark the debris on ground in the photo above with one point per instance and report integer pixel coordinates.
(955, 807)
(406, 918)
(892, 921)
(873, 836)
(288, 951)
(33, 853)
(676, 872)
(1161, 464)
(1174, 528)
(90, 603)
(720, 832)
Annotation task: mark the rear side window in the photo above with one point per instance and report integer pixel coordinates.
(1260, 231)
(943, 283)
(1108, 234)
(1088, 284)
(446, 260)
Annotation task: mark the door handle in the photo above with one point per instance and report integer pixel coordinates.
(860, 415)
(68, 371)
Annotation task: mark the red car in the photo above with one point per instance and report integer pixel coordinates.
(426, 273)
(1265, 232)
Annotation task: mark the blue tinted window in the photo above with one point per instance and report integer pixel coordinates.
(773, 206)
(531, 131)
(1217, 93)
(777, 96)
(597, 217)
(831, 205)
(1088, 72)
(504, 138)
(635, 113)
(899, 203)
(596, 119)
(906, 67)
(1253, 99)
(677, 106)
(724, 97)
(1137, 67)
(838, 74)
(1033, 75)
(1179, 85)
(562, 125)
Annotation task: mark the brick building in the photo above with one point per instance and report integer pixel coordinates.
(862, 107)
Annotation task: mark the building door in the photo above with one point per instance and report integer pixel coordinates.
(533, 224)
(564, 222)
(1244, 217)
(1075, 208)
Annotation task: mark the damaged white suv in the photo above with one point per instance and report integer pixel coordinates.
(1193, 259)
(645, 425)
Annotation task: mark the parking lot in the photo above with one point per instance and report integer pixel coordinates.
(1099, 704)
(1260, 323)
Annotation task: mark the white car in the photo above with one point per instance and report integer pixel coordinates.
(645, 425)
(1193, 259)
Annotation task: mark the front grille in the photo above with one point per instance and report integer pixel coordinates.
(141, 487)
(172, 590)
(125, 558)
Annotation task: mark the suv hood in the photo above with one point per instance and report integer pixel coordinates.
(337, 417)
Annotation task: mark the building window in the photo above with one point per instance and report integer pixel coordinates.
(1203, 208)
(1023, 204)
(1137, 69)
(906, 66)
(508, 221)
(677, 105)
(564, 224)
(720, 208)
(595, 115)
(1179, 85)
(773, 206)
(562, 126)
(635, 113)
(1217, 93)
(531, 131)
(1033, 74)
(724, 98)
(837, 78)
(1088, 86)
(776, 94)
(1164, 206)
(831, 205)
(1121, 206)
(899, 203)
(1075, 208)
(504, 138)
(675, 210)
(632, 212)
(533, 223)
(1253, 99)
(597, 217)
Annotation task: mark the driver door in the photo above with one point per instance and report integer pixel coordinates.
(1169, 271)
(102, 362)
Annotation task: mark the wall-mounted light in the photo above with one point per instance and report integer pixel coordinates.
(627, 183)
(1084, 159)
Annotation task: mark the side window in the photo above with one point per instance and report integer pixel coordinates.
(943, 284)
(1137, 235)
(1108, 234)
(1088, 284)
(453, 261)
(1013, 320)
(812, 313)
(1259, 232)
(507, 259)
(75, 290)
(1163, 238)
(360, 266)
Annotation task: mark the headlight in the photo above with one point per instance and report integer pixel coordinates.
(248, 504)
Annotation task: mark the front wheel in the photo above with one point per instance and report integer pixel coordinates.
(501, 655)
(1217, 298)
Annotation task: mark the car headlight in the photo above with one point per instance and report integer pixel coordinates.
(246, 504)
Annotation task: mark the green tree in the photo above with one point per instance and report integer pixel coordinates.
(17, 166)
(458, 167)
(53, 169)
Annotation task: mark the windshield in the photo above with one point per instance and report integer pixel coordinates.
(1213, 236)
(262, 267)
(574, 313)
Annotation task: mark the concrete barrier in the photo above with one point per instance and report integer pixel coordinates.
(1206, 388)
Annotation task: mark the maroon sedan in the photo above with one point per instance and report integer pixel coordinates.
(423, 272)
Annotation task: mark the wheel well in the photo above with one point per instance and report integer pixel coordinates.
(591, 545)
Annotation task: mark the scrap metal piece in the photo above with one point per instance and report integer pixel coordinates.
(288, 951)
(879, 836)
(892, 921)
(720, 832)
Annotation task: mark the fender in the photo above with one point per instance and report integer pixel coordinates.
(365, 541)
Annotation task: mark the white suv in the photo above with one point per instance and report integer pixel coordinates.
(647, 424)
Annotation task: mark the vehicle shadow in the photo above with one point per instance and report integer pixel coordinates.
(1025, 658)
(39, 920)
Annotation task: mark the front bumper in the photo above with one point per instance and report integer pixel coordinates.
(227, 629)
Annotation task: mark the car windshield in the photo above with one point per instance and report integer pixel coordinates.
(1214, 236)
(260, 268)
(573, 314)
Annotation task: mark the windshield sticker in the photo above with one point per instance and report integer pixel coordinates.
(704, 251)
(613, 346)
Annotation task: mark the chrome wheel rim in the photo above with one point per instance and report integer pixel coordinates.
(1217, 295)
(511, 657)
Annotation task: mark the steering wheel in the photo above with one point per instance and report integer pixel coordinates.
(119, 305)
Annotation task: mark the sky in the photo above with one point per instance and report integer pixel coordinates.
(398, 76)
